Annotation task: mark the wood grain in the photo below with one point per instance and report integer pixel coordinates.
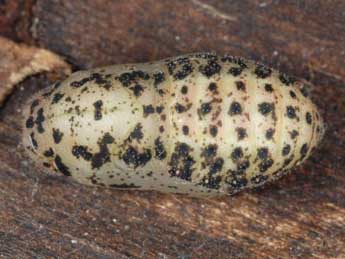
(302, 216)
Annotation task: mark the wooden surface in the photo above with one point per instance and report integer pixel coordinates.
(302, 216)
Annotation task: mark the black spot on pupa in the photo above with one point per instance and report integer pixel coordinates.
(57, 135)
(148, 109)
(161, 129)
(103, 156)
(80, 83)
(259, 179)
(137, 90)
(268, 88)
(262, 71)
(216, 166)
(242, 166)
(209, 151)
(81, 151)
(57, 97)
(135, 158)
(212, 182)
(236, 60)
(39, 120)
(33, 140)
(33, 105)
(185, 130)
(180, 108)
(304, 91)
(286, 150)
(159, 109)
(292, 94)
(236, 154)
(235, 71)
(125, 186)
(210, 69)
(128, 78)
(238, 182)
(304, 150)
(49, 153)
(160, 149)
(184, 89)
(137, 132)
(61, 166)
(262, 153)
(265, 165)
(213, 130)
(294, 134)
(241, 133)
(285, 79)
(212, 87)
(269, 133)
(181, 162)
(308, 118)
(205, 108)
(240, 86)
(30, 123)
(159, 77)
(98, 109)
(290, 112)
(235, 109)
(265, 108)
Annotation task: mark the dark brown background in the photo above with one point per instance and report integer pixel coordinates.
(301, 216)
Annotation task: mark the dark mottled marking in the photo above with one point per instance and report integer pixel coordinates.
(213, 130)
(212, 182)
(241, 133)
(205, 108)
(30, 123)
(57, 97)
(262, 71)
(49, 152)
(135, 158)
(286, 150)
(185, 130)
(186, 69)
(210, 69)
(181, 162)
(33, 140)
(304, 150)
(290, 112)
(235, 109)
(57, 135)
(294, 134)
(180, 108)
(39, 120)
(304, 91)
(285, 79)
(209, 151)
(128, 78)
(265, 165)
(236, 60)
(137, 132)
(184, 89)
(125, 186)
(216, 166)
(242, 166)
(308, 118)
(80, 83)
(292, 94)
(265, 108)
(212, 87)
(137, 90)
(270, 133)
(240, 86)
(103, 156)
(33, 105)
(259, 179)
(148, 109)
(159, 109)
(160, 149)
(238, 182)
(159, 77)
(61, 166)
(235, 71)
(161, 129)
(268, 88)
(81, 151)
(236, 154)
(262, 153)
(98, 109)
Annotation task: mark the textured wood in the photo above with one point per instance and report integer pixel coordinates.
(301, 216)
